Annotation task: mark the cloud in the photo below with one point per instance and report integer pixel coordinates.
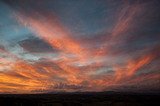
(35, 45)
(67, 87)
(2, 48)
(53, 58)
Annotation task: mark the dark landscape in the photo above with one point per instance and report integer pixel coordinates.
(81, 99)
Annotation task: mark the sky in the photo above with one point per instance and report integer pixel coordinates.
(79, 46)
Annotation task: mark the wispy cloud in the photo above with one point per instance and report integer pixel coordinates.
(53, 58)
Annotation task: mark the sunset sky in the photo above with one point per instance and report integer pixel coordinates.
(79, 45)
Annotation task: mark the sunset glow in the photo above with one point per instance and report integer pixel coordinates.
(71, 46)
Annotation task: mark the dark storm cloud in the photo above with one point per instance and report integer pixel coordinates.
(36, 45)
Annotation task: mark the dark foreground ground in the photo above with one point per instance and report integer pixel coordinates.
(81, 99)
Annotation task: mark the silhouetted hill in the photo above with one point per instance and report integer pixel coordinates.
(110, 98)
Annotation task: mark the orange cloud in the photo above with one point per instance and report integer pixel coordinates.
(132, 67)
(49, 29)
